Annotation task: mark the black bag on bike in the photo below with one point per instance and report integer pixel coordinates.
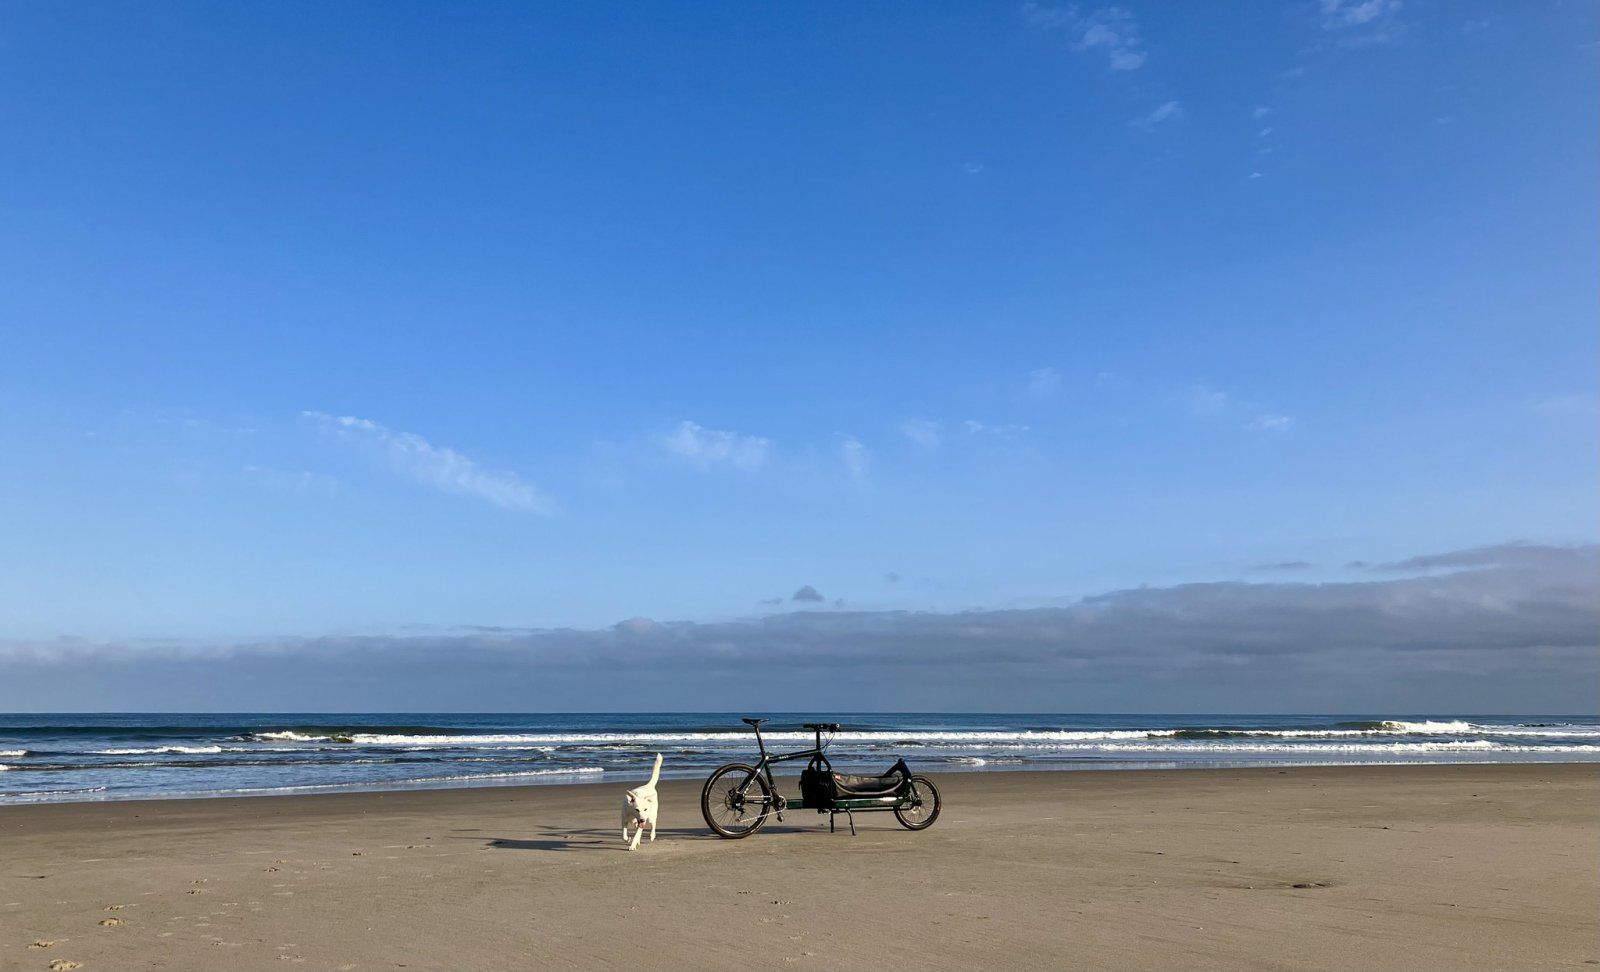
(816, 787)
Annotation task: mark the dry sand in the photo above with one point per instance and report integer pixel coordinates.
(1464, 867)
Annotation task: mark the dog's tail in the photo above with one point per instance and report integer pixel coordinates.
(655, 774)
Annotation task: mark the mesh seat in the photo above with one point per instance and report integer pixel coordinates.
(845, 784)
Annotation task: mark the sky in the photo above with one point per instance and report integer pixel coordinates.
(1032, 357)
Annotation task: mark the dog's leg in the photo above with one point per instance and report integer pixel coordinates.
(634, 844)
(652, 828)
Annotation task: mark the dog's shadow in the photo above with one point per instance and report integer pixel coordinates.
(588, 839)
(592, 839)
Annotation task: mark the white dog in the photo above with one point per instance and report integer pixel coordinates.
(639, 807)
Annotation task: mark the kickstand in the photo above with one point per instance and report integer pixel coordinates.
(852, 818)
(831, 815)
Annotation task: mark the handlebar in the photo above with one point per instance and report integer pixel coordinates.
(822, 726)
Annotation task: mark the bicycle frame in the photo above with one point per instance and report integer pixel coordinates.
(765, 763)
(819, 760)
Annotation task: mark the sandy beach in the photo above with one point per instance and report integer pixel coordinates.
(1394, 867)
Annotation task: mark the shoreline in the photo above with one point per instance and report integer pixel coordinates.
(1476, 866)
(544, 779)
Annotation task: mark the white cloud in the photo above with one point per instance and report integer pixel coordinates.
(1111, 30)
(1266, 422)
(973, 168)
(284, 480)
(1043, 382)
(1170, 111)
(439, 467)
(855, 457)
(1363, 21)
(924, 432)
(1001, 431)
(1261, 112)
(710, 448)
(1356, 13)
(1570, 405)
(1204, 401)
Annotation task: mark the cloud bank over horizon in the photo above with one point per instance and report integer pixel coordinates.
(1512, 628)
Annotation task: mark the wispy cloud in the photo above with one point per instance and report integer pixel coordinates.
(1570, 405)
(1362, 21)
(1042, 383)
(1003, 430)
(1205, 401)
(1108, 30)
(438, 467)
(715, 448)
(303, 481)
(1266, 422)
(855, 457)
(924, 432)
(1167, 112)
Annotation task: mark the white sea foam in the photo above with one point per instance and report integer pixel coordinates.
(289, 735)
(1395, 725)
(175, 750)
(741, 738)
(546, 741)
(1311, 749)
(13, 752)
(423, 780)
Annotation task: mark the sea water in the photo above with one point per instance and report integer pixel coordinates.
(58, 757)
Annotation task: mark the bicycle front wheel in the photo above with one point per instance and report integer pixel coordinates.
(922, 809)
(735, 801)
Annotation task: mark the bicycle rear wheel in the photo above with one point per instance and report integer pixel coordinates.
(735, 801)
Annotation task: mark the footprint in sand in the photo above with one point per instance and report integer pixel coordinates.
(115, 907)
(41, 943)
(62, 965)
(109, 922)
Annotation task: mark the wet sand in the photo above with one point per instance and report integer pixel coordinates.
(1395, 867)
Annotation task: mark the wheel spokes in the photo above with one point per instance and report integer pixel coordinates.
(740, 803)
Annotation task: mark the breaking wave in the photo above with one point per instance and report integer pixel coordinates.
(128, 757)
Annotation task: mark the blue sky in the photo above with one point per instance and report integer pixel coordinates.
(368, 319)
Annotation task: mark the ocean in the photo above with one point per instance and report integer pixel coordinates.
(67, 757)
